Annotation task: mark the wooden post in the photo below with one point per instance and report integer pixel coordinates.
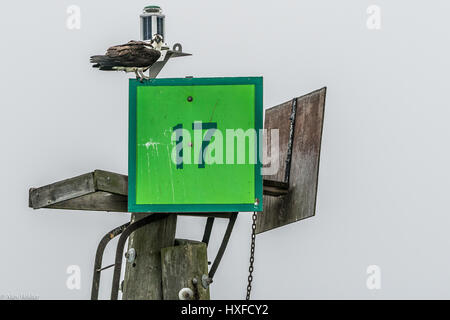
(185, 266)
(142, 279)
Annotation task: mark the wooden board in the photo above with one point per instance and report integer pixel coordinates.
(300, 201)
(94, 191)
(108, 191)
(98, 190)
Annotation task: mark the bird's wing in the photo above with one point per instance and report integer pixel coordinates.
(132, 54)
(126, 49)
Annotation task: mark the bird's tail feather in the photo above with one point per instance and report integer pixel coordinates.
(103, 62)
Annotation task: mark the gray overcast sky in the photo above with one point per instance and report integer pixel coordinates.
(384, 174)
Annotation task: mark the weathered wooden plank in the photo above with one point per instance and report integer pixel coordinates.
(111, 182)
(108, 191)
(142, 279)
(85, 184)
(300, 201)
(97, 201)
(181, 264)
(275, 188)
(61, 191)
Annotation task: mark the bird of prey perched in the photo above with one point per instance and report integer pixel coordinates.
(134, 56)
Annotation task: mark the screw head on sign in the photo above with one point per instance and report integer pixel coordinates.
(189, 99)
(256, 202)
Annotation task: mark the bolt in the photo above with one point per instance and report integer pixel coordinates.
(186, 294)
(206, 281)
(130, 255)
(256, 202)
(190, 99)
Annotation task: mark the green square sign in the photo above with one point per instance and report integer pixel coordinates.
(194, 145)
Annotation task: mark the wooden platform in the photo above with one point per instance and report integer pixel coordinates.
(107, 191)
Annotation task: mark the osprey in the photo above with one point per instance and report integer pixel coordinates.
(134, 56)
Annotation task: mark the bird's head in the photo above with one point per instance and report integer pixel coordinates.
(157, 41)
(157, 38)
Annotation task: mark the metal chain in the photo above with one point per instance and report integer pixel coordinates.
(252, 257)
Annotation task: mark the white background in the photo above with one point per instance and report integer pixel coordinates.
(384, 178)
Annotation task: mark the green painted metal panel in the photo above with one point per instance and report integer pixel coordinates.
(173, 122)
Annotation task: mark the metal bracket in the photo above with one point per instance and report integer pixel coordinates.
(208, 229)
(156, 68)
(223, 246)
(99, 257)
(206, 281)
(120, 247)
(287, 173)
